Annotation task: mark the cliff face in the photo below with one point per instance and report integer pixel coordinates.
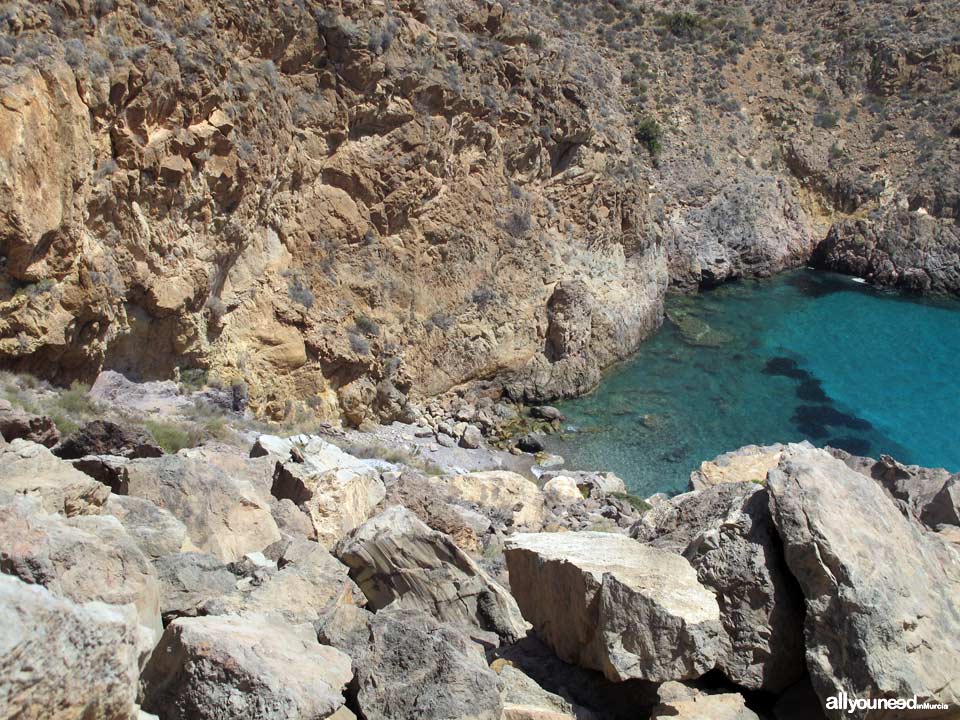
(346, 204)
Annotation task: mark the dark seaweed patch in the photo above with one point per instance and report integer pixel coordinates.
(787, 367)
(825, 415)
(857, 446)
(812, 430)
(810, 390)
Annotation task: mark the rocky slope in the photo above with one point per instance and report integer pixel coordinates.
(344, 207)
(287, 578)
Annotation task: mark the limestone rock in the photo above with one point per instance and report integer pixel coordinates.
(397, 649)
(728, 536)
(944, 507)
(748, 464)
(337, 497)
(680, 701)
(310, 582)
(155, 530)
(606, 602)
(523, 699)
(497, 492)
(189, 580)
(102, 437)
(562, 490)
(60, 659)
(31, 469)
(591, 483)
(223, 667)
(874, 628)
(16, 424)
(225, 515)
(84, 558)
(397, 560)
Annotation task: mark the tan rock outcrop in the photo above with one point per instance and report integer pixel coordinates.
(606, 602)
(32, 470)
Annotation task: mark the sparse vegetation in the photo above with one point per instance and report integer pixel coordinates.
(170, 436)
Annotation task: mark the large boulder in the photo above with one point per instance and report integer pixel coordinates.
(337, 495)
(60, 659)
(944, 507)
(408, 666)
(512, 498)
(155, 530)
(523, 699)
(881, 592)
(309, 584)
(190, 580)
(102, 437)
(728, 536)
(687, 703)
(234, 668)
(225, 515)
(17, 424)
(606, 602)
(31, 469)
(750, 463)
(397, 560)
(83, 558)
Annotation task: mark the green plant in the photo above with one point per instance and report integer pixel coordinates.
(638, 504)
(170, 436)
(649, 133)
(75, 400)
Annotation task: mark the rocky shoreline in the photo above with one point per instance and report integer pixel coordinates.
(287, 578)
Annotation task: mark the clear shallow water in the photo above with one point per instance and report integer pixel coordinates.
(805, 355)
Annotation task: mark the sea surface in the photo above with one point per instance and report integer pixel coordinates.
(805, 355)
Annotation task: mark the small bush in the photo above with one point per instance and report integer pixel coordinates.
(359, 344)
(366, 325)
(649, 133)
(75, 401)
(482, 297)
(170, 436)
(298, 291)
(441, 321)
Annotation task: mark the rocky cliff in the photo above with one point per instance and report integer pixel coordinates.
(341, 207)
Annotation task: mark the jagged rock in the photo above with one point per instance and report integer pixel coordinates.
(397, 649)
(155, 530)
(418, 494)
(336, 497)
(562, 490)
(681, 701)
(728, 536)
(225, 515)
(31, 469)
(591, 484)
(606, 602)
(291, 520)
(105, 469)
(83, 558)
(189, 580)
(16, 424)
(944, 507)
(880, 591)
(60, 659)
(231, 667)
(750, 463)
(523, 699)
(310, 582)
(471, 438)
(546, 412)
(112, 389)
(530, 443)
(102, 437)
(515, 499)
(397, 560)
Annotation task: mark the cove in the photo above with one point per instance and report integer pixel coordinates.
(803, 356)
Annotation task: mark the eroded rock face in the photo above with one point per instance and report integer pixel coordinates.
(102, 437)
(728, 536)
(232, 667)
(31, 469)
(880, 590)
(60, 659)
(225, 515)
(189, 580)
(606, 602)
(16, 424)
(337, 499)
(83, 558)
(398, 561)
(309, 584)
(498, 492)
(156, 531)
(395, 650)
(747, 464)
(687, 703)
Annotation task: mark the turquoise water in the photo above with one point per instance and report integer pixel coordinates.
(805, 355)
